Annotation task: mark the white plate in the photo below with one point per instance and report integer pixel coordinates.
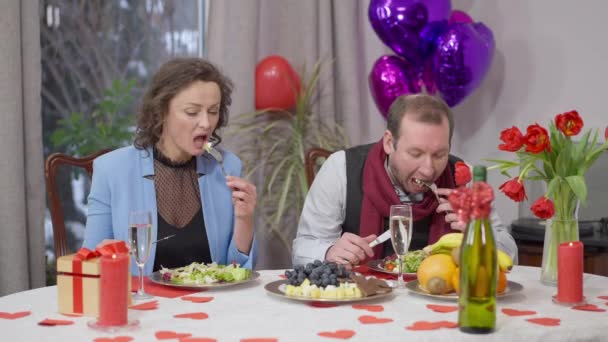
(157, 278)
(413, 286)
(277, 288)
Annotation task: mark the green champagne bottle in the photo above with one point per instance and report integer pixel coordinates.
(478, 273)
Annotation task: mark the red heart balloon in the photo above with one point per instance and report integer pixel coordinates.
(276, 84)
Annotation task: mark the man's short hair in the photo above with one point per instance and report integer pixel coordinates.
(425, 108)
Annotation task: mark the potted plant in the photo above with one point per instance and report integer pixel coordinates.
(274, 145)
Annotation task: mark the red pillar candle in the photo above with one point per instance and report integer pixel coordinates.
(114, 276)
(570, 272)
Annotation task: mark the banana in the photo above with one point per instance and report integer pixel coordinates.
(505, 263)
(445, 244)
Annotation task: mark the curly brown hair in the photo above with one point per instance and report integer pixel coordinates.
(172, 77)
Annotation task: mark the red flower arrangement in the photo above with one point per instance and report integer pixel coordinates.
(553, 157)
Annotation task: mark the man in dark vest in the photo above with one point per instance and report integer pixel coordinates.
(348, 204)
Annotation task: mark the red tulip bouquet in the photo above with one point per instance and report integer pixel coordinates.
(561, 162)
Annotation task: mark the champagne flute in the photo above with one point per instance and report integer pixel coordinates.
(400, 225)
(140, 240)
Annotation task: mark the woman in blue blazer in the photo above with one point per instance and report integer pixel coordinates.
(169, 172)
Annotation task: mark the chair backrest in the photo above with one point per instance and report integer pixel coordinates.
(314, 159)
(53, 162)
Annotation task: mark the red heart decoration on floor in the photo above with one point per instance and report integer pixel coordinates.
(374, 320)
(442, 308)
(53, 322)
(341, 334)
(167, 335)
(589, 307)
(14, 315)
(152, 305)
(114, 339)
(514, 312)
(193, 315)
(195, 299)
(426, 325)
(548, 322)
(260, 339)
(603, 297)
(322, 305)
(372, 308)
(197, 339)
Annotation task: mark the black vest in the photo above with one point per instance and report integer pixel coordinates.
(355, 161)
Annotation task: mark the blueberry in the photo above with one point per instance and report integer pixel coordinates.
(317, 263)
(325, 282)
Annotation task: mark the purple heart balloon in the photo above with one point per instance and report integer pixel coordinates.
(398, 23)
(391, 76)
(461, 60)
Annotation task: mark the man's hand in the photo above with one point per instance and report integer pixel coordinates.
(446, 207)
(350, 249)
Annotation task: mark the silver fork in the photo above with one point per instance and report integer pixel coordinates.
(218, 157)
(431, 187)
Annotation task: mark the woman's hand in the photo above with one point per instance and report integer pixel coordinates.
(243, 197)
(244, 201)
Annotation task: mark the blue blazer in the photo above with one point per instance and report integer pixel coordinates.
(120, 185)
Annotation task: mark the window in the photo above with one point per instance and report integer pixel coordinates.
(97, 57)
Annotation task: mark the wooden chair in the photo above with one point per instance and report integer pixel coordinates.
(313, 161)
(53, 162)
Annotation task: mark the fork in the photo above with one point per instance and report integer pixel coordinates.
(218, 157)
(431, 187)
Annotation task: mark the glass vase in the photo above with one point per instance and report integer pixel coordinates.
(562, 227)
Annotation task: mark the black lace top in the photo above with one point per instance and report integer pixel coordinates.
(179, 213)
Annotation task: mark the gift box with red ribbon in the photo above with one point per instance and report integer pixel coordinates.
(78, 278)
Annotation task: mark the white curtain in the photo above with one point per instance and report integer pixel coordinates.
(241, 33)
(22, 193)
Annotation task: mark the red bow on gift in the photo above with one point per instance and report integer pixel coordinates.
(106, 247)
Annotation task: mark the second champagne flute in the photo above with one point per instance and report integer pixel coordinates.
(140, 240)
(400, 225)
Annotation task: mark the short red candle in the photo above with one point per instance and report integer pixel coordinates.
(114, 276)
(570, 272)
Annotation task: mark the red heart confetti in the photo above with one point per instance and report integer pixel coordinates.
(282, 276)
(14, 315)
(168, 335)
(442, 308)
(195, 299)
(374, 320)
(197, 339)
(53, 322)
(193, 315)
(514, 312)
(341, 334)
(589, 307)
(426, 325)
(71, 315)
(603, 297)
(322, 305)
(372, 308)
(258, 339)
(549, 322)
(114, 339)
(152, 305)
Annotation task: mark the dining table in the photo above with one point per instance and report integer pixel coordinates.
(250, 312)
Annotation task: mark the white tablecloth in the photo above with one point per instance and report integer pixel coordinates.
(247, 311)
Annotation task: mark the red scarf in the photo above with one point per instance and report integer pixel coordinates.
(379, 194)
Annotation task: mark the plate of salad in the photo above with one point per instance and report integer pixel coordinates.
(204, 276)
(390, 264)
